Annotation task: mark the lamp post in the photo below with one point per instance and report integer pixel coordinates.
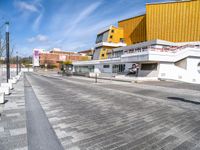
(7, 51)
(17, 63)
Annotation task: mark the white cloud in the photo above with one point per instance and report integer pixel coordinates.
(84, 14)
(39, 38)
(24, 6)
(75, 21)
(37, 21)
(33, 7)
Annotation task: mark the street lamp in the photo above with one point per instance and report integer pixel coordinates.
(7, 51)
(17, 63)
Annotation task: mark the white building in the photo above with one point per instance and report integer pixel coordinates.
(156, 59)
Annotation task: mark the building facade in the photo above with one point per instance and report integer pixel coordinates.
(156, 59)
(134, 29)
(109, 38)
(54, 58)
(176, 21)
(88, 52)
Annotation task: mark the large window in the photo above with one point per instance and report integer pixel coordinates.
(99, 38)
(152, 66)
(118, 68)
(102, 37)
(84, 69)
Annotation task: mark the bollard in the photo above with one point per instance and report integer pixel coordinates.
(11, 81)
(2, 98)
(95, 77)
(14, 80)
(10, 86)
(18, 77)
(5, 90)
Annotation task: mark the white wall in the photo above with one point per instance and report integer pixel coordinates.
(190, 75)
(192, 67)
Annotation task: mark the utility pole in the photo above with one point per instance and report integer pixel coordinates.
(7, 51)
(17, 63)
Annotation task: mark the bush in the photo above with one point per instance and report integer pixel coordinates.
(68, 62)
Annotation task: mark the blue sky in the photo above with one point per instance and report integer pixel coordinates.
(67, 24)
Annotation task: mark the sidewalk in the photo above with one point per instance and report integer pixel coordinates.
(13, 131)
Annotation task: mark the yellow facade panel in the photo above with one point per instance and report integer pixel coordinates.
(104, 52)
(115, 35)
(134, 29)
(176, 22)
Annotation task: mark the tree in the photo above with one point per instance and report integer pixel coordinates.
(68, 62)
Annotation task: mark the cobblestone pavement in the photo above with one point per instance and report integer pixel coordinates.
(13, 133)
(113, 115)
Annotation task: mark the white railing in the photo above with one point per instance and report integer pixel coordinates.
(172, 49)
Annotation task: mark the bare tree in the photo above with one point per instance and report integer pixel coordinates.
(2, 41)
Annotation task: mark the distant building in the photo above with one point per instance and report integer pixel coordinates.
(89, 52)
(109, 38)
(55, 57)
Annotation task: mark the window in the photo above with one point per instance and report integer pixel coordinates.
(99, 38)
(102, 37)
(112, 31)
(152, 66)
(118, 68)
(84, 69)
(198, 67)
(106, 66)
(102, 55)
(111, 36)
(122, 40)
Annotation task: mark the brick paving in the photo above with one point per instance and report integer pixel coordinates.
(111, 115)
(13, 132)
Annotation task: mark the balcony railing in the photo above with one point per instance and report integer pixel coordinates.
(170, 49)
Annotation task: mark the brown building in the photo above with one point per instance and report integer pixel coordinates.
(87, 52)
(54, 59)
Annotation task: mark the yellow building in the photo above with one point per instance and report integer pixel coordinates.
(134, 29)
(107, 39)
(177, 21)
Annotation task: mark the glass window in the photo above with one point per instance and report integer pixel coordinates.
(152, 66)
(118, 68)
(99, 38)
(106, 66)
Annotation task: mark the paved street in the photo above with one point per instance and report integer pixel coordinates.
(117, 115)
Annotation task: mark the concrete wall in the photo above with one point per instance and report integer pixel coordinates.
(148, 73)
(190, 75)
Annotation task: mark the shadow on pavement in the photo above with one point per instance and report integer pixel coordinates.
(184, 100)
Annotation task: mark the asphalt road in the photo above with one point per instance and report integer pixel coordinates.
(116, 115)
